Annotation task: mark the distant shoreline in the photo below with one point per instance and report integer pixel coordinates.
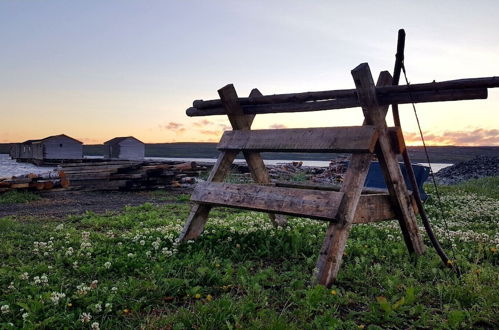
(438, 154)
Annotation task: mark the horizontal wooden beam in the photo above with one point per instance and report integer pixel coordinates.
(297, 202)
(353, 139)
(390, 97)
(480, 83)
(315, 204)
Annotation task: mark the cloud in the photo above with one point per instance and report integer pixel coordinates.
(476, 137)
(277, 126)
(210, 132)
(175, 127)
(89, 141)
(202, 123)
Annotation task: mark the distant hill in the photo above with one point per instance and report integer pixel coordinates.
(447, 154)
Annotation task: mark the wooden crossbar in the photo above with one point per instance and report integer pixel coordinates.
(299, 202)
(353, 139)
(310, 203)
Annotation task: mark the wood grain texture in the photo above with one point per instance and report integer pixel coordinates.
(352, 102)
(382, 92)
(198, 216)
(333, 247)
(258, 170)
(298, 202)
(375, 115)
(353, 139)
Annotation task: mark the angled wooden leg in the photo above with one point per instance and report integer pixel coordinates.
(240, 121)
(375, 115)
(196, 221)
(337, 233)
(331, 254)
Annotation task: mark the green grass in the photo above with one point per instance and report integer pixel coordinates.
(15, 196)
(126, 271)
(485, 187)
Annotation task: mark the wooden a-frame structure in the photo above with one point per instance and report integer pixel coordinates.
(341, 208)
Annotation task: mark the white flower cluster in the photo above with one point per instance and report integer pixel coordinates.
(43, 280)
(56, 296)
(44, 247)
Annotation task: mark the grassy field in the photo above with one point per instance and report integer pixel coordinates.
(127, 271)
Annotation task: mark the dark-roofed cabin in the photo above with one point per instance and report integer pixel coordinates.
(22, 151)
(126, 147)
(57, 147)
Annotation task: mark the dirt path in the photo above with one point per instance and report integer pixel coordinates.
(60, 204)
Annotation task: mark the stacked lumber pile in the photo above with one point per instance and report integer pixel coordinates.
(129, 175)
(33, 182)
(294, 171)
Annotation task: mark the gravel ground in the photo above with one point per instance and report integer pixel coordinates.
(60, 204)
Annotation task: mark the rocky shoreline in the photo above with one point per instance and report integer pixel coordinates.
(478, 167)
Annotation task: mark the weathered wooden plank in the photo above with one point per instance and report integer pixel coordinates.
(292, 201)
(353, 139)
(331, 254)
(376, 207)
(299, 202)
(375, 115)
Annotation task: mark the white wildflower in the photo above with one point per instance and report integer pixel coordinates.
(69, 251)
(56, 296)
(107, 264)
(98, 308)
(85, 317)
(24, 276)
(60, 227)
(85, 235)
(95, 326)
(5, 309)
(25, 316)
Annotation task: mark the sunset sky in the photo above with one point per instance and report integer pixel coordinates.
(96, 69)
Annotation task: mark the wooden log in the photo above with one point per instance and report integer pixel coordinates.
(390, 97)
(19, 185)
(353, 139)
(480, 83)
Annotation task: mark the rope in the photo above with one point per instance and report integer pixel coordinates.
(448, 262)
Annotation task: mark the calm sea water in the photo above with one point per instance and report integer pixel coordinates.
(9, 167)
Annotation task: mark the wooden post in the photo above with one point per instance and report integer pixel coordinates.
(332, 250)
(375, 115)
(196, 221)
